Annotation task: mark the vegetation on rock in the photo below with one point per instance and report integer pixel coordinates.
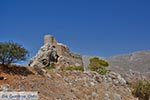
(71, 68)
(51, 66)
(98, 65)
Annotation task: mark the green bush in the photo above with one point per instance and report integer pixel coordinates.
(11, 52)
(98, 65)
(50, 67)
(102, 71)
(71, 68)
(141, 89)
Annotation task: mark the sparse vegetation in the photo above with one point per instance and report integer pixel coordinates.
(64, 68)
(98, 65)
(103, 71)
(51, 66)
(141, 89)
(11, 52)
(71, 68)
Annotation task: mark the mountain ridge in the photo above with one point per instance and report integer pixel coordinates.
(125, 62)
(137, 61)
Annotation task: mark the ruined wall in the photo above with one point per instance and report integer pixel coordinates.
(66, 58)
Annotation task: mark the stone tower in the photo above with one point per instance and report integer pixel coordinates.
(49, 39)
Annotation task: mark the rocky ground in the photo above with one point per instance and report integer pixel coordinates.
(65, 85)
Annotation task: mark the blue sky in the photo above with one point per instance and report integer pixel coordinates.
(89, 27)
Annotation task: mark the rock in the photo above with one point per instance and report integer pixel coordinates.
(121, 80)
(105, 98)
(5, 87)
(94, 94)
(66, 58)
(89, 84)
(48, 75)
(108, 79)
(117, 97)
(106, 85)
(112, 75)
(58, 75)
(106, 95)
(116, 78)
(134, 75)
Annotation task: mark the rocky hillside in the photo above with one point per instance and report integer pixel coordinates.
(137, 61)
(64, 85)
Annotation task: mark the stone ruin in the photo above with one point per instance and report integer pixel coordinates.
(65, 57)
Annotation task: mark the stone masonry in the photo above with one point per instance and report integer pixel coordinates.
(66, 58)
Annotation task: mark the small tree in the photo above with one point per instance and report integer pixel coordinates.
(11, 52)
(98, 65)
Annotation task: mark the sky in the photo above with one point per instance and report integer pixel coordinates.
(89, 27)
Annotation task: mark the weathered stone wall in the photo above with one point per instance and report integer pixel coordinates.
(66, 58)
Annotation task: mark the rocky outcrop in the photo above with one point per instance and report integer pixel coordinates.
(66, 58)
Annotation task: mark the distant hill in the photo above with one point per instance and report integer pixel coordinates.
(137, 61)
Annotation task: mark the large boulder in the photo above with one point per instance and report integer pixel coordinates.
(66, 58)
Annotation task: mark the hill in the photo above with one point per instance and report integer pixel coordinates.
(136, 61)
(64, 85)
